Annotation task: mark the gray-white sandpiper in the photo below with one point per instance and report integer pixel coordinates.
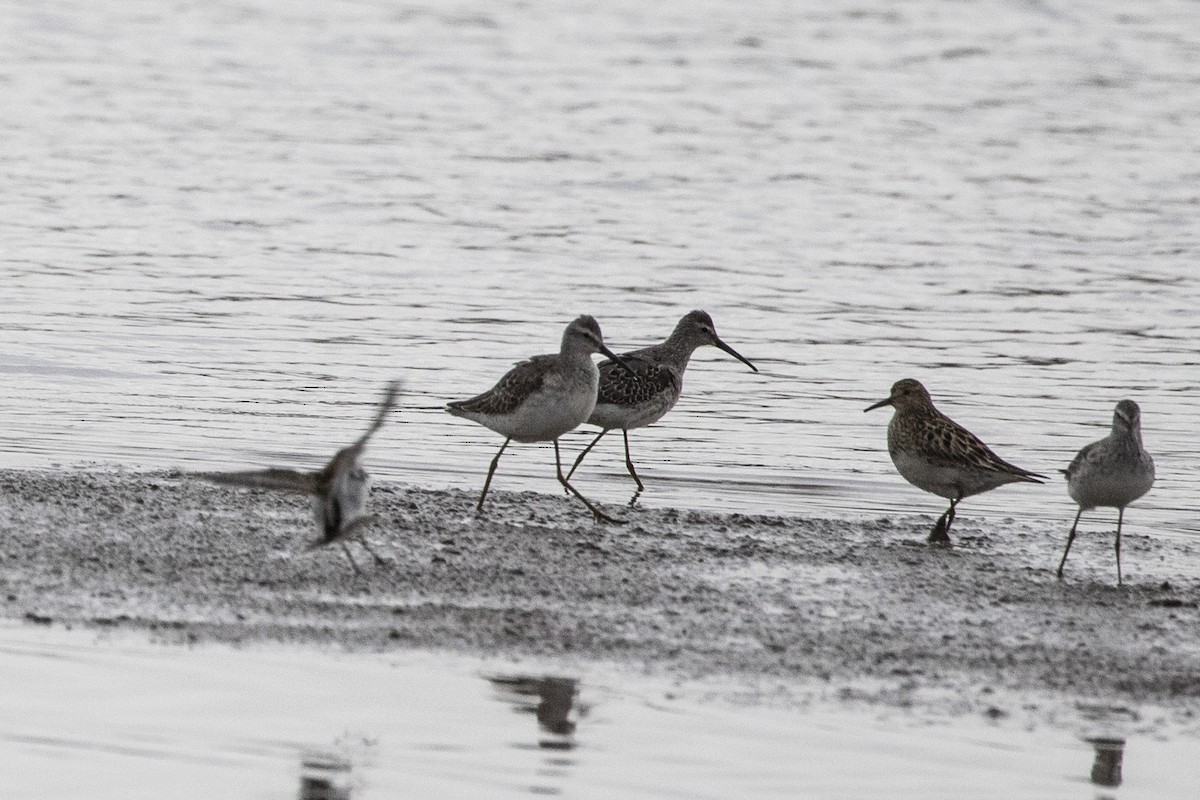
(541, 399)
(1113, 471)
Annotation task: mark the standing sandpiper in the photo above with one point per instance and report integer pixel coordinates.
(339, 490)
(936, 454)
(541, 399)
(628, 402)
(1114, 471)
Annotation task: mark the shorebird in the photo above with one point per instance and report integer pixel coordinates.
(935, 453)
(339, 491)
(541, 399)
(1114, 471)
(634, 400)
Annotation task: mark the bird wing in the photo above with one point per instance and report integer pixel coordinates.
(287, 480)
(619, 388)
(342, 459)
(1079, 459)
(390, 394)
(948, 442)
(510, 391)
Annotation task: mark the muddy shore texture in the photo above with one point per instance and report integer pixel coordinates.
(865, 609)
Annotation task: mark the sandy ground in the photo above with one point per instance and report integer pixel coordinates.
(867, 611)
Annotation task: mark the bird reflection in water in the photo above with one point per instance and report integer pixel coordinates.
(1106, 769)
(324, 776)
(551, 700)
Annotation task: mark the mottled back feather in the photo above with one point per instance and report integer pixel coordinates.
(943, 442)
(510, 391)
(619, 388)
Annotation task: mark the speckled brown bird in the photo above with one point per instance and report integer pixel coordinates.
(644, 393)
(935, 453)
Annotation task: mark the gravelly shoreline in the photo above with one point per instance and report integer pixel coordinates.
(842, 605)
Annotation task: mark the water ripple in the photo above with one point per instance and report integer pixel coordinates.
(218, 249)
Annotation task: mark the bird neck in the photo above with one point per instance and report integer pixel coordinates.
(678, 348)
(575, 357)
(1129, 438)
(575, 349)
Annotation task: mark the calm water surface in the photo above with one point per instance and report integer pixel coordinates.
(122, 719)
(227, 224)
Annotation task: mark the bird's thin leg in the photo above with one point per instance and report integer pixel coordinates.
(629, 462)
(597, 513)
(362, 539)
(491, 471)
(354, 527)
(1120, 518)
(355, 530)
(353, 563)
(586, 450)
(1070, 539)
(938, 535)
(941, 529)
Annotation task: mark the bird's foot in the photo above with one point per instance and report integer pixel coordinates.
(940, 535)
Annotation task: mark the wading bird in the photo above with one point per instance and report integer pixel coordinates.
(1113, 471)
(541, 399)
(935, 453)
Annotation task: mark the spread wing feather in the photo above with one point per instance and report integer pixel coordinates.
(385, 405)
(287, 480)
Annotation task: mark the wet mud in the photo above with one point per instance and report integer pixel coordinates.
(858, 610)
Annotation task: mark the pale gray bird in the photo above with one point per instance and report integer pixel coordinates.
(1113, 471)
(542, 398)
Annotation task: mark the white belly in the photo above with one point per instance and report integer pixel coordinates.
(547, 414)
(1116, 491)
(944, 481)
